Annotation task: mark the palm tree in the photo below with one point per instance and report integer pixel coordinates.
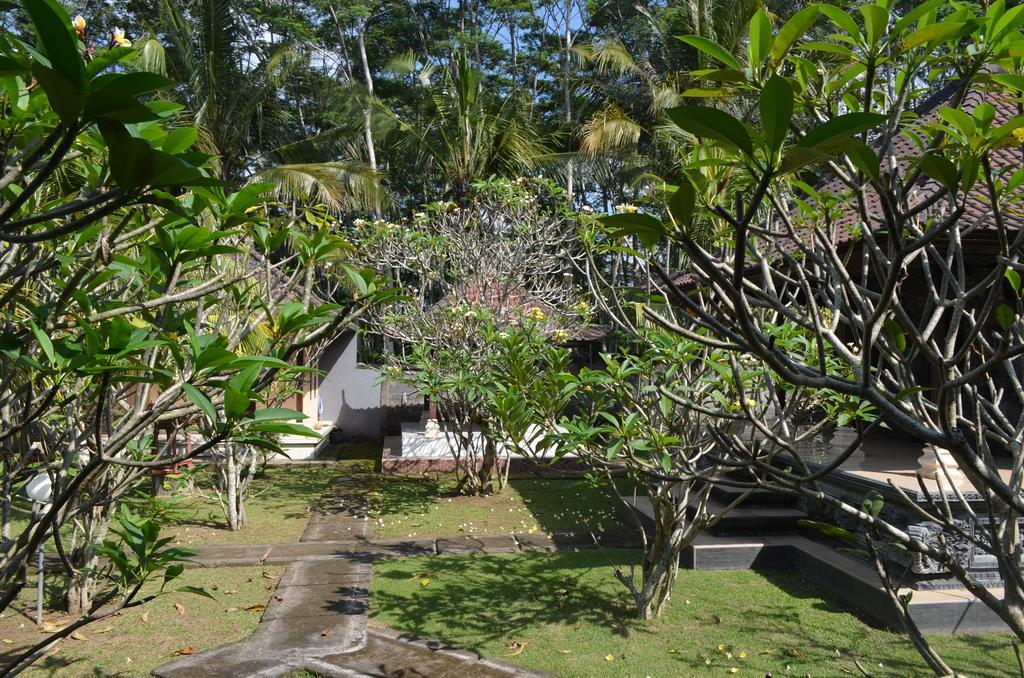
(628, 127)
(469, 132)
(233, 76)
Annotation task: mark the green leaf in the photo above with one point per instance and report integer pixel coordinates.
(236, 403)
(833, 136)
(276, 414)
(872, 503)
(106, 58)
(776, 104)
(841, 19)
(712, 49)
(876, 19)
(285, 429)
(1014, 279)
(959, 120)
(829, 530)
(649, 230)
(932, 33)
(173, 572)
(64, 97)
(131, 159)
(56, 36)
(201, 401)
(180, 140)
(1005, 316)
(941, 169)
(760, 38)
(864, 159)
(197, 590)
(9, 66)
(896, 334)
(711, 123)
(682, 203)
(791, 31)
(44, 341)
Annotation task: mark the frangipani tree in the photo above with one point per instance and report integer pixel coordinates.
(874, 205)
(494, 263)
(129, 283)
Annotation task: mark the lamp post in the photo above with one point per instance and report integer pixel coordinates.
(39, 490)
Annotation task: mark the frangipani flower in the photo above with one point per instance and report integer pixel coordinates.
(120, 40)
(78, 23)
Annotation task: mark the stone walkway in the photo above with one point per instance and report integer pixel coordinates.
(316, 619)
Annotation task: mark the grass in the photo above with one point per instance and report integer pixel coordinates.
(426, 506)
(135, 641)
(278, 507)
(566, 614)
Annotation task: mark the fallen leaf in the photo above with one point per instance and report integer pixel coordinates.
(256, 608)
(565, 651)
(145, 617)
(78, 635)
(267, 575)
(609, 657)
(50, 627)
(230, 592)
(327, 631)
(105, 629)
(188, 649)
(6, 641)
(231, 609)
(180, 608)
(514, 646)
(266, 553)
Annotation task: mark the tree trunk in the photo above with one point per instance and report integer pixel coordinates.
(371, 153)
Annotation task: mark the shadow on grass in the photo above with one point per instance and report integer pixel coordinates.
(412, 495)
(475, 601)
(496, 597)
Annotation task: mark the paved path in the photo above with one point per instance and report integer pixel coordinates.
(316, 620)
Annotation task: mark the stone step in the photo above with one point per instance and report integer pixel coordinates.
(727, 495)
(752, 520)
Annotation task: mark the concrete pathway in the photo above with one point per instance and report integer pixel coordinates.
(316, 619)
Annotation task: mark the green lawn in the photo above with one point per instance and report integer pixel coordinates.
(425, 506)
(135, 641)
(566, 614)
(278, 508)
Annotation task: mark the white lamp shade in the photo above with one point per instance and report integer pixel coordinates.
(39, 489)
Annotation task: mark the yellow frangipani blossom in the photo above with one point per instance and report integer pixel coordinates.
(120, 40)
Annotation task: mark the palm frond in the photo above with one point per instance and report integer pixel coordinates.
(609, 129)
(338, 185)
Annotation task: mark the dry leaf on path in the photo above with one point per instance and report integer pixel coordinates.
(78, 635)
(6, 641)
(50, 627)
(145, 617)
(188, 649)
(256, 608)
(327, 631)
(105, 629)
(180, 608)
